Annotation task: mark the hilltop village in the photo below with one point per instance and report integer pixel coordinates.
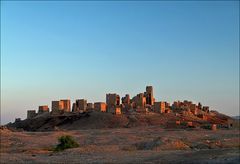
(142, 103)
(140, 110)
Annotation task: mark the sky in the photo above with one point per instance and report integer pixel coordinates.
(71, 50)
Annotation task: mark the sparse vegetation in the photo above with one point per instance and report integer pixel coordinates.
(149, 145)
(66, 142)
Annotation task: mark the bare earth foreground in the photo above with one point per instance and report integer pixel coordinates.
(151, 144)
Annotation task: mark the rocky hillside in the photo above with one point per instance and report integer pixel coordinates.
(98, 120)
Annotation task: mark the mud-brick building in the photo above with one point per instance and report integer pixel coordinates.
(43, 109)
(80, 105)
(126, 103)
(194, 109)
(118, 110)
(31, 114)
(66, 105)
(203, 116)
(139, 101)
(90, 106)
(205, 109)
(57, 107)
(113, 102)
(100, 106)
(149, 95)
(159, 107)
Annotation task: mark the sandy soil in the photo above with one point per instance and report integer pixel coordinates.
(150, 144)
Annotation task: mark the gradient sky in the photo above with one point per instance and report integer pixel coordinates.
(54, 50)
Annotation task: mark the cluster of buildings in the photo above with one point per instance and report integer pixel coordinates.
(188, 106)
(142, 102)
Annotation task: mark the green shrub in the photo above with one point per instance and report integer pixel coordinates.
(66, 142)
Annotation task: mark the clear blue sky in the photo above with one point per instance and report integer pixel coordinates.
(54, 50)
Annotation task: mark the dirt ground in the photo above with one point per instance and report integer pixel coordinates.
(149, 144)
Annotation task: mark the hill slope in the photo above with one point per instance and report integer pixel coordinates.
(98, 120)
